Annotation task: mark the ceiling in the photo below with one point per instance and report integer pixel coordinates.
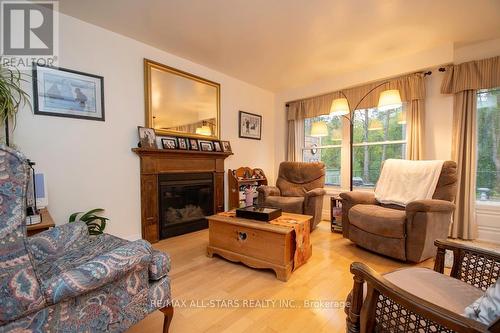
(280, 44)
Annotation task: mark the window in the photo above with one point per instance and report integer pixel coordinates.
(326, 149)
(378, 135)
(488, 145)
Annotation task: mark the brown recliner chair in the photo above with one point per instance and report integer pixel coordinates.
(405, 233)
(299, 189)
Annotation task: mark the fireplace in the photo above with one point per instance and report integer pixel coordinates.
(176, 169)
(185, 200)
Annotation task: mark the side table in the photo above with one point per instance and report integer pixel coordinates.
(46, 224)
(335, 213)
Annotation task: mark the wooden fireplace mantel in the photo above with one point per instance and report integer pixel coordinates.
(158, 161)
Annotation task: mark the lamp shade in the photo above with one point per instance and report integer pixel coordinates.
(319, 129)
(375, 125)
(339, 107)
(204, 130)
(389, 99)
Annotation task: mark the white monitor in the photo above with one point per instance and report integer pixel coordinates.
(42, 197)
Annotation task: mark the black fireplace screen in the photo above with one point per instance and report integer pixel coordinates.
(185, 200)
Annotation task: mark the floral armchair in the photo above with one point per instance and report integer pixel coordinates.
(65, 280)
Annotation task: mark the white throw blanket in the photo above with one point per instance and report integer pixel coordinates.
(404, 181)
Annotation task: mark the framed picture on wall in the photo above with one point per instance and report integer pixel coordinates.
(147, 137)
(63, 92)
(250, 125)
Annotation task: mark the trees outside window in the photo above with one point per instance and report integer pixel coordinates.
(488, 145)
(378, 135)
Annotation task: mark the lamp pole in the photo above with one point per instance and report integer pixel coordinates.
(351, 127)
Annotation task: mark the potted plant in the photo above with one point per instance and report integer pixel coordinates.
(12, 97)
(95, 223)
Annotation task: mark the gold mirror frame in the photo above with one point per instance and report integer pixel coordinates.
(148, 65)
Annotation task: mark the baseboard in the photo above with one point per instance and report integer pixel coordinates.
(133, 237)
(487, 217)
(488, 234)
(325, 214)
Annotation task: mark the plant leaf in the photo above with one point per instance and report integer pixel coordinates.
(72, 217)
(12, 95)
(91, 212)
(95, 224)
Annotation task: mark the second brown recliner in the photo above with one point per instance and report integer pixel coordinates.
(299, 189)
(404, 233)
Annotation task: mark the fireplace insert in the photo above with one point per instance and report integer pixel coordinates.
(185, 200)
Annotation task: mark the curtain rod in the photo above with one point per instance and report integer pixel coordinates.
(441, 69)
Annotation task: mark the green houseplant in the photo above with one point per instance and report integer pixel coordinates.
(12, 96)
(95, 223)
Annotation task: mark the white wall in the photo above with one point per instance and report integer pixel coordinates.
(438, 116)
(89, 164)
(485, 49)
(438, 119)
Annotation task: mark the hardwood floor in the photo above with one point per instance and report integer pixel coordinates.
(204, 282)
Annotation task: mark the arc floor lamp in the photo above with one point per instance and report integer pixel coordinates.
(388, 99)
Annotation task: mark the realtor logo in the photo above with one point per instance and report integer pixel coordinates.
(29, 31)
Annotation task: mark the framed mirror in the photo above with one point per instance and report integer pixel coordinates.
(180, 103)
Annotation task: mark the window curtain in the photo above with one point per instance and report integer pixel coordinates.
(295, 138)
(463, 81)
(411, 88)
(414, 127)
(291, 144)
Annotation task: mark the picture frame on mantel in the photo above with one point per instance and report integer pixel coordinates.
(226, 147)
(147, 137)
(182, 143)
(206, 145)
(169, 143)
(217, 146)
(193, 144)
(249, 125)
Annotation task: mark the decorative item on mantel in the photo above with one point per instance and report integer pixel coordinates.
(206, 145)
(226, 146)
(147, 137)
(169, 143)
(148, 140)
